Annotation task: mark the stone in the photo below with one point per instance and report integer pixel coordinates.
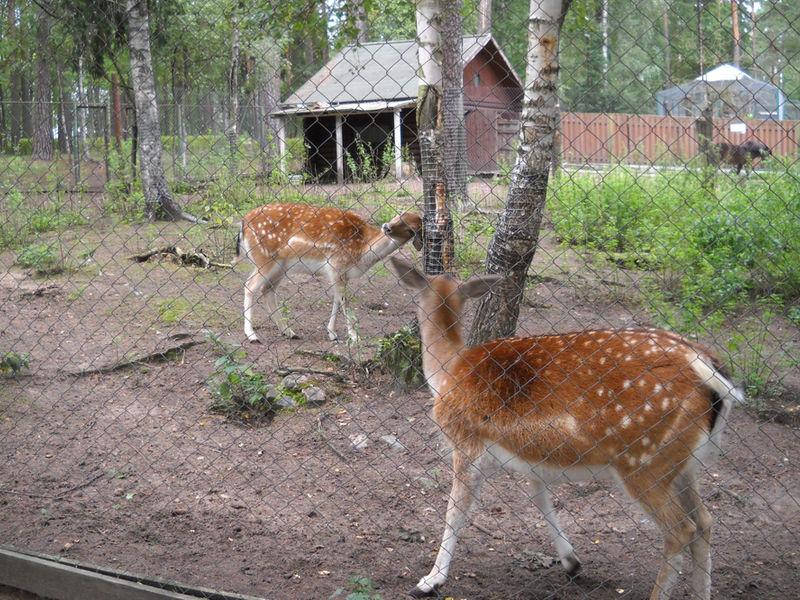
(359, 441)
(314, 396)
(294, 381)
(286, 402)
(393, 443)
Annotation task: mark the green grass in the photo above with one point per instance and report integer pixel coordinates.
(713, 248)
(44, 259)
(20, 221)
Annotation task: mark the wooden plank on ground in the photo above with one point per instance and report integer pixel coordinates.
(58, 579)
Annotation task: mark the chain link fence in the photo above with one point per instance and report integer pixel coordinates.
(144, 431)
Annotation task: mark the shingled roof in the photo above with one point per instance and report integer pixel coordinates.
(373, 76)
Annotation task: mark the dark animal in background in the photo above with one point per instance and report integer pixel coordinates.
(740, 155)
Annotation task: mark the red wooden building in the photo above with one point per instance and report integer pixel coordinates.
(365, 98)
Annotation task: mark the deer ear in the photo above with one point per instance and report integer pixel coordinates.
(408, 275)
(477, 286)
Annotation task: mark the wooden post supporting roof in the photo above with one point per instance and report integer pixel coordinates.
(398, 147)
(280, 129)
(339, 151)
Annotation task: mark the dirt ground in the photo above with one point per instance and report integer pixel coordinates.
(129, 469)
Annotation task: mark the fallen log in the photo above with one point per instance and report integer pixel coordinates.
(189, 258)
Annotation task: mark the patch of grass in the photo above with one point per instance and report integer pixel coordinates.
(358, 588)
(719, 246)
(400, 353)
(44, 259)
(753, 362)
(20, 222)
(172, 310)
(12, 363)
(239, 391)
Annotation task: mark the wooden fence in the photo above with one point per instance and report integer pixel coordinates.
(652, 139)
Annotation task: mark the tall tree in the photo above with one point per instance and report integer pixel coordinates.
(737, 40)
(232, 114)
(484, 16)
(43, 100)
(158, 200)
(438, 250)
(514, 243)
(454, 142)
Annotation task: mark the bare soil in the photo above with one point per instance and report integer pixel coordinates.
(130, 469)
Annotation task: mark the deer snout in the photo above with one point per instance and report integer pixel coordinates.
(386, 228)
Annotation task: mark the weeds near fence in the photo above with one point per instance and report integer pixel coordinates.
(732, 243)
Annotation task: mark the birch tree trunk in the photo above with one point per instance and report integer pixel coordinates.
(82, 101)
(514, 243)
(43, 100)
(455, 139)
(737, 41)
(267, 73)
(438, 224)
(179, 70)
(484, 17)
(360, 19)
(158, 200)
(232, 116)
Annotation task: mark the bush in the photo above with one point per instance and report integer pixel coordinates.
(12, 363)
(44, 259)
(400, 353)
(239, 391)
(732, 243)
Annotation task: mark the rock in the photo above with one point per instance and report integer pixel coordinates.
(393, 443)
(314, 396)
(286, 402)
(271, 394)
(359, 441)
(294, 381)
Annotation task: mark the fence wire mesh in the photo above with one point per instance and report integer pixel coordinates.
(192, 192)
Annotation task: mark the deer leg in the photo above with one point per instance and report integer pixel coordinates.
(252, 289)
(661, 501)
(338, 297)
(541, 497)
(700, 546)
(276, 312)
(467, 481)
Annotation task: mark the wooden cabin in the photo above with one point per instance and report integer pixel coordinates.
(363, 102)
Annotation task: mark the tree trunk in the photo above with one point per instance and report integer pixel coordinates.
(158, 200)
(737, 42)
(360, 21)
(667, 44)
(232, 116)
(43, 102)
(454, 143)
(116, 109)
(438, 250)
(514, 243)
(267, 74)
(64, 116)
(700, 43)
(484, 17)
(82, 101)
(180, 68)
(15, 83)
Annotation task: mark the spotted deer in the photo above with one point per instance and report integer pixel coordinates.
(283, 238)
(641, 406)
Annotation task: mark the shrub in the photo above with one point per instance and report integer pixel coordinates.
(239, 391)
(400, 353)
(44, 259)
(726, 244)
(12, 363)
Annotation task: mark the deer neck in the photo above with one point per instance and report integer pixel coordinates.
(442, 342)
(378, 246)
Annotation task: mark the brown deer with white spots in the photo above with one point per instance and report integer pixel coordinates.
(283, 238)
(641, 406)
